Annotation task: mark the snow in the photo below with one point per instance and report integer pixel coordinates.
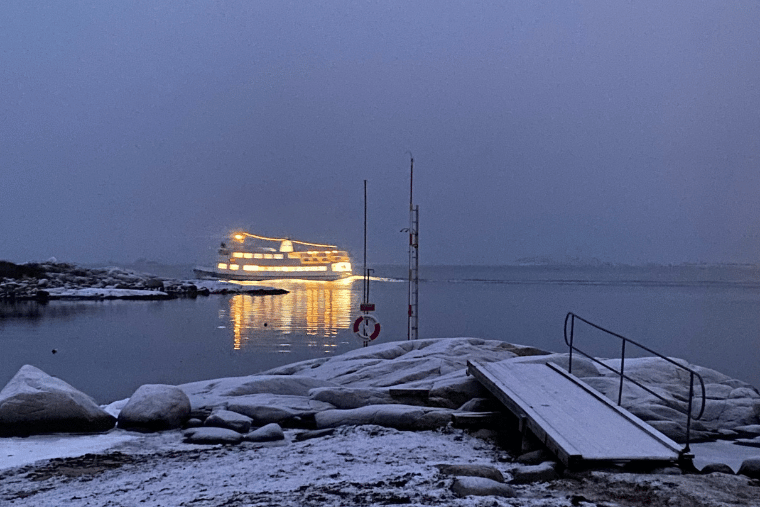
(355, 465)
(110, 293)
(724, 452)
(17, 451)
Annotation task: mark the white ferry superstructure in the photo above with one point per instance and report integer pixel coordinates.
(245, 257)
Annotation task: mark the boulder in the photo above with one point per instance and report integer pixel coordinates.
(469, 470)
(346, 397)
(230, 420)
(267, 408)
(480, 405)
(749, 442)
(33, 402)
(537, 473)
(534, 457)
(220, 392)
(720, 468)
(750, 468)
(457, 389)
(268, 433)
(401, 417)
(480, 486)
(308, 435)
(212, 436)
(155, 407)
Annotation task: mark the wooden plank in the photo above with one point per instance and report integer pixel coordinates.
(543, 431)
(657, 435)
(572, 419)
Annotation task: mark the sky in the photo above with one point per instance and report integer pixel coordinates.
(627, 132)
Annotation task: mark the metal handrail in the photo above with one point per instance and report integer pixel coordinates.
(571, 317)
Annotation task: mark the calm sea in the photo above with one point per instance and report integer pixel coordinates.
(707, 315)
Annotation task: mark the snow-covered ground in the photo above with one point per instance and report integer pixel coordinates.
(356, 465)
(353, 465)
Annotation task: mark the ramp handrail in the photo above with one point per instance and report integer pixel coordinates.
(571, 318)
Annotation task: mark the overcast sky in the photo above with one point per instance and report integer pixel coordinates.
(623, 131)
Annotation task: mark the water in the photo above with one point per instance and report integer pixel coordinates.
(709, 316)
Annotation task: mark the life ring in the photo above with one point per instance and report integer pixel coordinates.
(367, 327)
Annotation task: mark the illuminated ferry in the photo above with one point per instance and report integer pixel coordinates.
(251, 257)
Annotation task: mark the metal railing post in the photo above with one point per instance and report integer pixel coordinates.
(688, 415)
(570, 342)
(622, 374)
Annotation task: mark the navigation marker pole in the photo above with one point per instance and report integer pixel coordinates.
(414, 280)
(366, 327)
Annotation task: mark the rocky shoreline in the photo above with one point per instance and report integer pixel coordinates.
(52, 280)
(418, 387)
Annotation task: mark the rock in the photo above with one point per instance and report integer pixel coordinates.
(456, 390)
(266, 408)
(667, 471)
(751, 468)
(308, 435)
(153, 283)
(230, 420)
(155, 407)
(480, 405)
(744, 392)
(268, 433)
(721, 468)
(347, 398)
(33, 402)
(404, 362)
(479, 486)
(485, 471)
(401, 417)
(748, 442)
(218, 392)
(750, 431)
(534, 457)
(193, 422)
(537, 473)
(582, 367)
(211, 436)
(264, 414)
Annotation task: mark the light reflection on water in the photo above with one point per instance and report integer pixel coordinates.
(313, 312)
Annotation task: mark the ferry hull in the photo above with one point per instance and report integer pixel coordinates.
(203, 272)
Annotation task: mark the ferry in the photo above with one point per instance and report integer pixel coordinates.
(251, 257)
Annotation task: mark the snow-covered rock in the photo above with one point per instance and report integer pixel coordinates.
(208, 435)
(33, 402)
(480, 486)
(155, 407)
(543, 472)
(230, 420)
(751, 468)
(471, 470)
(220, 392)
(402, 417)
(268, 433)
(267, 408)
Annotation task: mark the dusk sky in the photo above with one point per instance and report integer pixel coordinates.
(623, 131)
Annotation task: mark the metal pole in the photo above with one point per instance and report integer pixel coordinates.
(365, 287)
(622, 374)
(411, 233)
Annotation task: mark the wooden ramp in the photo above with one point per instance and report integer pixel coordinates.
(575, 421)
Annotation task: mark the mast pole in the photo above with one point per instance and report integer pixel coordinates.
(413, 290)
(365, 294)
